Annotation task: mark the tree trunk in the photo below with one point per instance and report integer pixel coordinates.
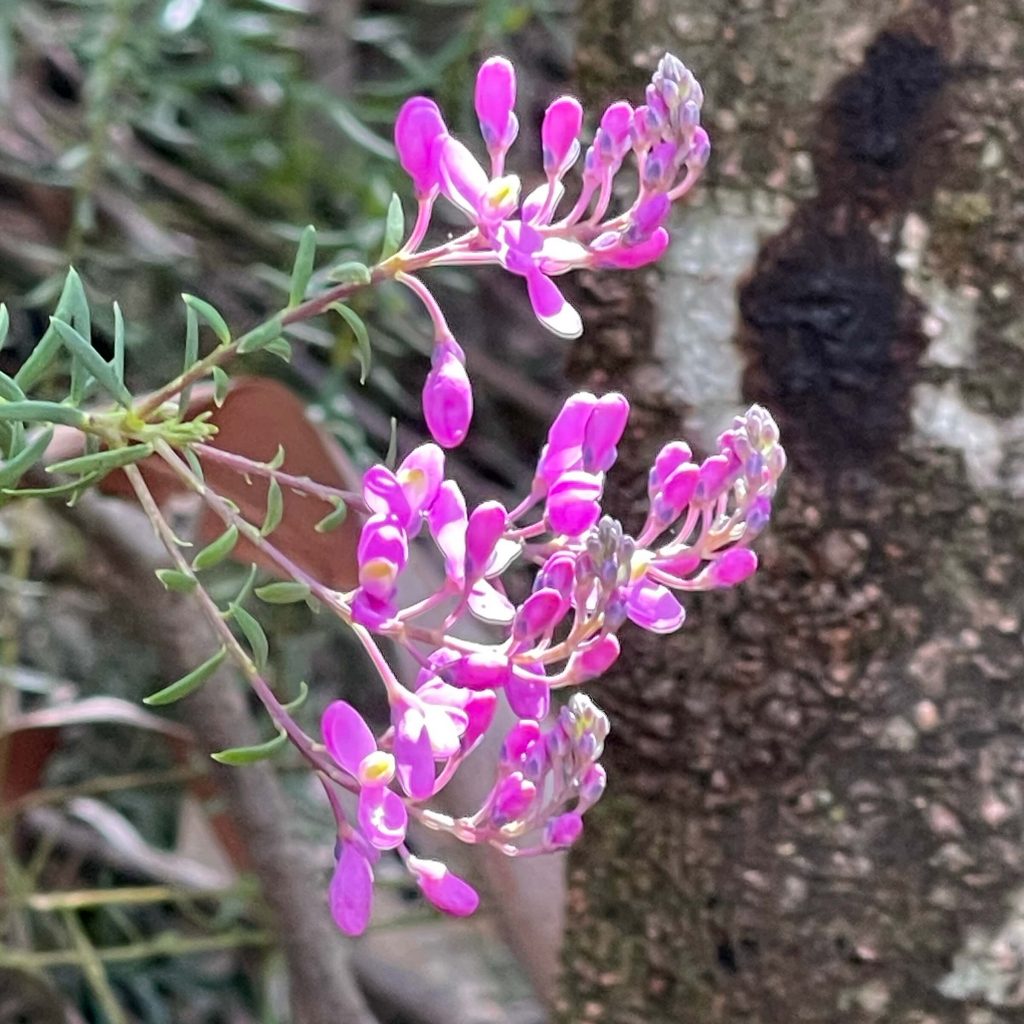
(816, 789)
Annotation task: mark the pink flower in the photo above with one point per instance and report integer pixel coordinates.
(381, 555)
(573, 504)
(382, 816)
(425, 732)
(583, 436)
(408, 492)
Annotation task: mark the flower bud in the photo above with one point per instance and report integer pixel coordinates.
(494, 99)
(448, 397)
(445, 890)
(417, 129)
(559, 135)
(563, 831)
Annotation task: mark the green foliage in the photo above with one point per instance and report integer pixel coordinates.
(187, 684)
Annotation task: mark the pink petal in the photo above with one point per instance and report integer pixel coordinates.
(550, 306)
(463, 180)
(490, 605)
(654, 607)
(595, 658)
(603, 432)
(527, 693)
(734, 566)
(447, 521)
(346, 735)
(417, 128)
(616, 121)
(573, 503)
(540, 612)
(629, 257)
(563, 831)
(382, 817)
(494, 100)
(671, 457)
(420, 476)
(445, 890)
(559, 133)
(482, 670)
(384, 495)
(413, 755)
(351, 891)
(512, 796)
(485, 527)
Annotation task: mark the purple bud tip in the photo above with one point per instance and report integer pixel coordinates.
(559, 132)
(563, 831)
(448, 398)
(494, 100)
(736, 565)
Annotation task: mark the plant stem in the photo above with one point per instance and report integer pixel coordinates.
(300, 484)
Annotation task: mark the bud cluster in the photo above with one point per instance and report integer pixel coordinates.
(541, 236)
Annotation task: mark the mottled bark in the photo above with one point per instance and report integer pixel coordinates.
(817, 788)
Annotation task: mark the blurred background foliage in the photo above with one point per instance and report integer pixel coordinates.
(169, 146)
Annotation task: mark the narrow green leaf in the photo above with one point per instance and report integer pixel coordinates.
(302, 269)
(296, 702)
(9, 390)
(254, 635)
(117, 363)
(81, 350)
(280, 348)
(391, 456)
(49, 344)
(285, 592)
(194, 464)
(191, 355)
(102, 462)
(57, 491)
(5, 323)
(261, 336)
(394, 228)
(278, 460)
(275, 509)
(187, 683)
(349, 273)
(247, 755)
(334, 519)
(217, 550)
(15, 468)
(221, 383)
(243, 594)
(42, 412)
(355, 321)
(210, 315)
(179, 582)
(79, 318)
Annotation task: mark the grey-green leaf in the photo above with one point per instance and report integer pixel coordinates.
(179, 582)
(394, 228)
(79, 348)
(43, 354)
(350, 273)
(217, 550)
(210, 315)
(247, 755)
(221, 383)
(188, 683)
(275, 509)
(42, 412)
(261, 336)
(15, 468)
(254, 635)
(102, 462)
(286, 592)
(334, 519)
(302, 270)
(355, 321)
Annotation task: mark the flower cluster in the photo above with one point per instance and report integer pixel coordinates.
(528, 236)
(591, 576)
